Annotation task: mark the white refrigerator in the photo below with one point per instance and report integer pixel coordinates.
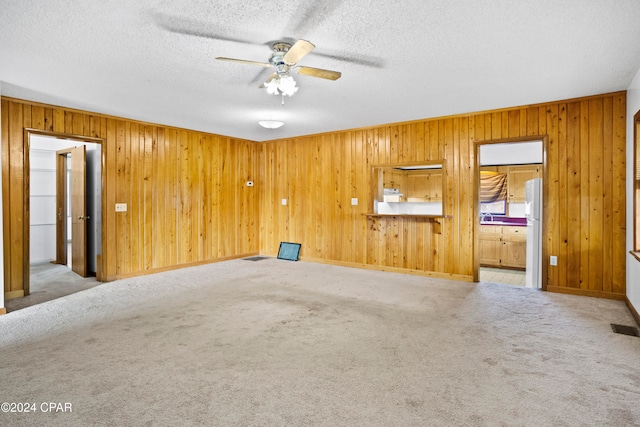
(533, 213)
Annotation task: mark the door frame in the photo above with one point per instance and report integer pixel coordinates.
(476, 200)
(27, 194)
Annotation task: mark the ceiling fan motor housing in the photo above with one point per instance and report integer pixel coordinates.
(281, 47)
(277, 57)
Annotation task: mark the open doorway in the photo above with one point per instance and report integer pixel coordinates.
(507, 244)
(61, 260)
(76, 210)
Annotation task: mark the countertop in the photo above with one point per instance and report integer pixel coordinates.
(505, 220)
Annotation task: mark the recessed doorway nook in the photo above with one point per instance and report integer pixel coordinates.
(504, 242)
(63, 215)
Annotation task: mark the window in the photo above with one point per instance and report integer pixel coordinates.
(636, 185)
(493, 192)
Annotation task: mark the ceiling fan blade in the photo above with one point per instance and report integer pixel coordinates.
(319, 72)
(297, 52)
(244, 61)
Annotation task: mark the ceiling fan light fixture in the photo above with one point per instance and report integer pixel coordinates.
(270, 124)
(272, 86)
(284, 59)
(281, 85)
(287, 85)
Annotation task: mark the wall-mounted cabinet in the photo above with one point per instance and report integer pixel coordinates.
(393, 178)
(517, 176)
(424, 186)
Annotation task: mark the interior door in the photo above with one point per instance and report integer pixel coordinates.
(61, 206)
(78, 210)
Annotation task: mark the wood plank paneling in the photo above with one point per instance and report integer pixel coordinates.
(573, 195)
(618, 193)
(159, 200)
(550, 216)
(123, 165)
(207, 200)
(168, 177)
(596, 190)
(467, 160)
(188, 202)
(109, 238)
(16, 197)
(584, 225)
(149, 184)
(607, 192)
(171, 203)
(48, 120)
(584, 199)
(563, 221)
(132, 260)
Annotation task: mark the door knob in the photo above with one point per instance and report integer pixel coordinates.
(80, 217)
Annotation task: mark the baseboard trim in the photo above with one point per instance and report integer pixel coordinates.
(175, 267)
(3, 311)
(438, 275)
(632, 309)
(14, 294)
(586, 293)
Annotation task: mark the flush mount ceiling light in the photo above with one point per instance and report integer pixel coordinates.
(270, 124)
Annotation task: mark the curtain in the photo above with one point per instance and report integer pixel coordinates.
(493, 186)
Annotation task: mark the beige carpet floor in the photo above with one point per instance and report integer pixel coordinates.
(50, 281)
(276, 342)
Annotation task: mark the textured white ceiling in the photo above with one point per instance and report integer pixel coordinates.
(153, 60)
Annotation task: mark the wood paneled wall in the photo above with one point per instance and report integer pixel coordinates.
(584, 178)
(187, 202)
(185, 191)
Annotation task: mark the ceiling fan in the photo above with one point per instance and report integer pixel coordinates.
(284, 59)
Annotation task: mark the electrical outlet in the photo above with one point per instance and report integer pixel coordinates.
(553, 260)
(354, 201)
(121, 207)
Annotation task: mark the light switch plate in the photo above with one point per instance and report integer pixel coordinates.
(121, 207)
(354, 201)
(553, 260)
(284, 202)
